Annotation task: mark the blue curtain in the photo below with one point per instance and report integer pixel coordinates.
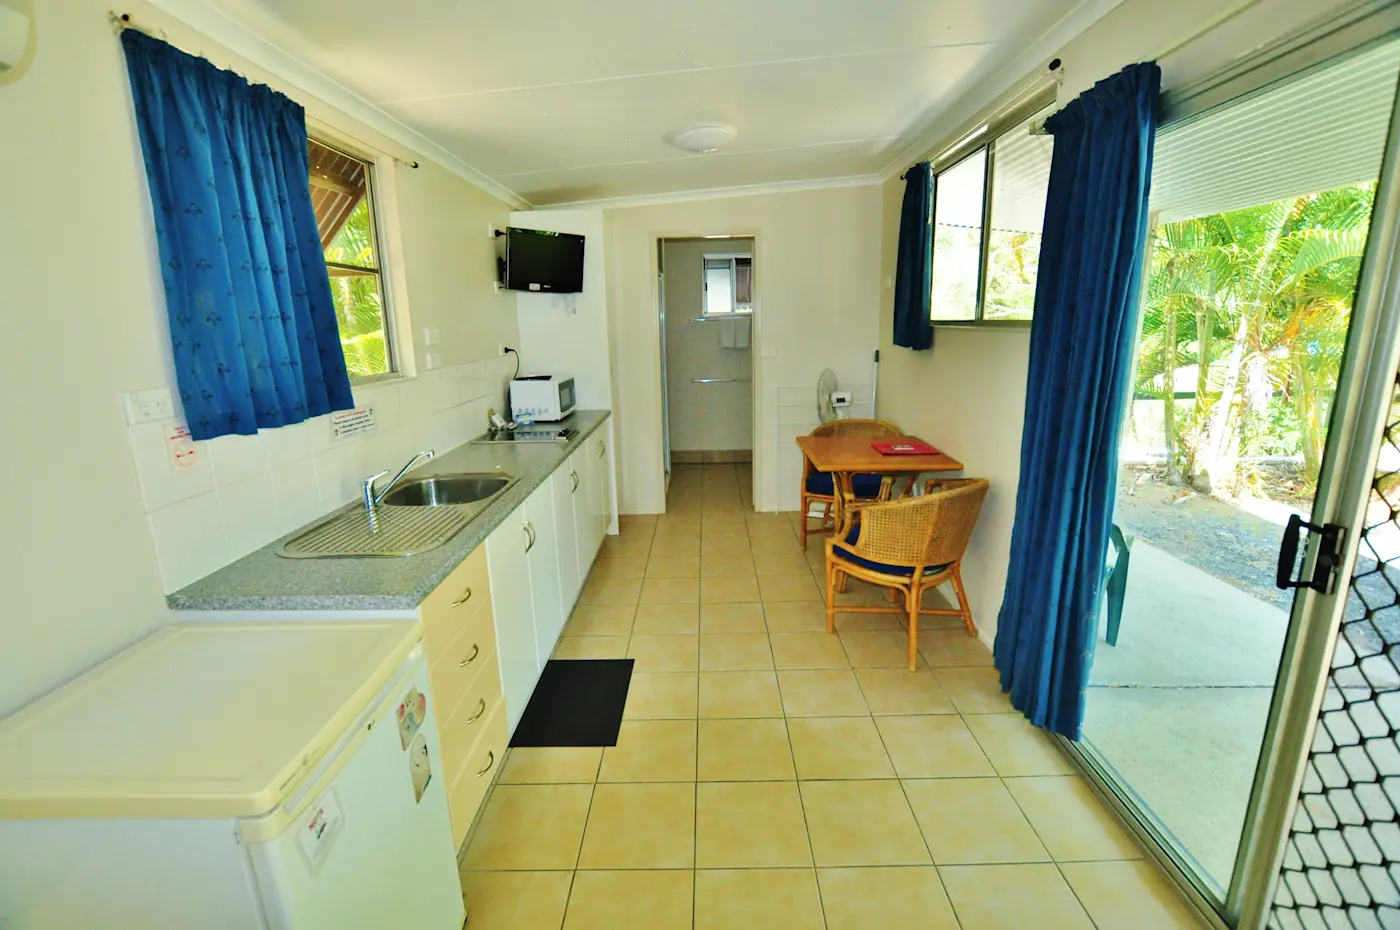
(252, 325)
(1081, 343)
(913, 277)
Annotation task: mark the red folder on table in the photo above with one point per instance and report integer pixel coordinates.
(904, 447)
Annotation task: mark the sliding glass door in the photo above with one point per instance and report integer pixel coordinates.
(1262, 210)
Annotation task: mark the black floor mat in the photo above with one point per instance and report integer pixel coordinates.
(578, 702)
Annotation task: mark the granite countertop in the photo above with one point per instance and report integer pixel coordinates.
(265, 581)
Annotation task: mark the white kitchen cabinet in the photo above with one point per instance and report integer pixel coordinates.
(509, 569)
(538, 559)
(579, 465)
(542, 558)
(599, 501)
(566, 485)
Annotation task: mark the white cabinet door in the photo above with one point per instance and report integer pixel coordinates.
(563, 485)
(507, 563)
(580, 466)
(542, 557)
(600, 490)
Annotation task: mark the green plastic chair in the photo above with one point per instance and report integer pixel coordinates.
(1116, 579)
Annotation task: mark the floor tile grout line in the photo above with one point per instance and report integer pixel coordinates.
(801, 799)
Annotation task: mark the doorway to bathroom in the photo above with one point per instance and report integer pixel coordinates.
(707, 301)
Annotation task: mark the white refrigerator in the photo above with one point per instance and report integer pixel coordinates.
(241, 776)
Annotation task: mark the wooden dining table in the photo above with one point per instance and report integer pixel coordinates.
(846, 456)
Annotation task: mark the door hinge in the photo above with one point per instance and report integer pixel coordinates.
(1329, 555)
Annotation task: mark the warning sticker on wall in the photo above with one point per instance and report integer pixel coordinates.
(348, 423)
(420, 766)
(319, 828)
(412, 709)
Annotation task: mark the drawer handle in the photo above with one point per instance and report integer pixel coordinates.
(574, 475)
(479, 711)
(476, 651)
(466, 596)
(490, 761)
(530, 534)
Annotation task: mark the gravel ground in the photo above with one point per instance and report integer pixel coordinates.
(1241, 549)
(1235, 546)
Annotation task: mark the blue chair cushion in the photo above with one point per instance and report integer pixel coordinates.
(820, 482)
(882, 567)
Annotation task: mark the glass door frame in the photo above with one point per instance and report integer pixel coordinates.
(1360, 407)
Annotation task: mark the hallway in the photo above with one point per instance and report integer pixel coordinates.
(770, 775)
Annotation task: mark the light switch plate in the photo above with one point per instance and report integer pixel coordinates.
(432, 337)
(770, 351)
(148, 406)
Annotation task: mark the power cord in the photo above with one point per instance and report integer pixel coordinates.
(506, 349)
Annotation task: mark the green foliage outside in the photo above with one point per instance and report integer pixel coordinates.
(1012, 261)
(1259, 300)
(359, 309)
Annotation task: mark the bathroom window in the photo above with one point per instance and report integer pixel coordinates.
(728, 284)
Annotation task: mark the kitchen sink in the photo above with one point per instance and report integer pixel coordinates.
(447, 490)
(416, 516)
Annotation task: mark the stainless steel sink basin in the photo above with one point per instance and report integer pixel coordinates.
(416, 516)
(446, 490)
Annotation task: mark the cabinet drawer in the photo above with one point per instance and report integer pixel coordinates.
(465, 724)
(465, 794)
(455, 600)
(453, 667)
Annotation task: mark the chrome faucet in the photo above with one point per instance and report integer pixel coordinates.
(371, 499)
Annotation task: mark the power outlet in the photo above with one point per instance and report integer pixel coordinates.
(148, 406)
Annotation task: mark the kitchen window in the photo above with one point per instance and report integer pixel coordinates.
(342, 192)
(988, 209)
(728, 284)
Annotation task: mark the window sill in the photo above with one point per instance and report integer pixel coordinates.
(1024, 325)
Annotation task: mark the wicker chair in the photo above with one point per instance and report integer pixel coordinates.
(907, 546)
(819, 487)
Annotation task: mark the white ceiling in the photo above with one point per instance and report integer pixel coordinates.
(562, 101)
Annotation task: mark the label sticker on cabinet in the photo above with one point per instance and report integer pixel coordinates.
(420, 766)
(412, 709)
(319, 828)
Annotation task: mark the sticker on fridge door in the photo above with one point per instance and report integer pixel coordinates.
(319, 828)
(412, 709)
(420, 767)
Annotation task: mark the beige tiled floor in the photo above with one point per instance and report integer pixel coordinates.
(770, 775)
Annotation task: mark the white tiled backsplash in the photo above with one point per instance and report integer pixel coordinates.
(246, 491)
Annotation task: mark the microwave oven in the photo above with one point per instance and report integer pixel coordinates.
(546, 398)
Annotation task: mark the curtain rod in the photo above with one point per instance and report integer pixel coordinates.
(123, 21)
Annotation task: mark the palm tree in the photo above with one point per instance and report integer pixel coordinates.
(1266, 295)
(358, 304)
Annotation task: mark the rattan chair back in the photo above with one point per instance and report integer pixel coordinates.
(857, 427)
(930, 530)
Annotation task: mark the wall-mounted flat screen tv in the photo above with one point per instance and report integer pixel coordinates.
(543, 261)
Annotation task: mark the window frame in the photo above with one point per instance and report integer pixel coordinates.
(734, 307)
(387, 302)
(983, 137)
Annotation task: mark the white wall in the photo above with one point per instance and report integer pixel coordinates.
(967, 395)
(816, 286)
(703, 417)
(569, 332)
(84, 314)
(246, 491)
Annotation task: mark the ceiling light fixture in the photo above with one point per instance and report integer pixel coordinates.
(704, 138)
